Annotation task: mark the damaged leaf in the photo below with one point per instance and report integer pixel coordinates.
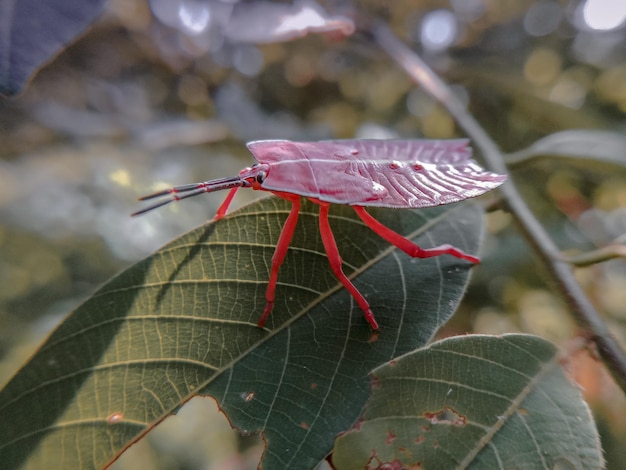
(475, 401)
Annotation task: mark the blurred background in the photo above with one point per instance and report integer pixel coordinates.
(166, 92)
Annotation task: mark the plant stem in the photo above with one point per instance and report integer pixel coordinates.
(561, 272)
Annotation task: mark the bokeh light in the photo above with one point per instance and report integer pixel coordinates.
(439, 30)
(194, 16)
(604, 15)
(543, 18)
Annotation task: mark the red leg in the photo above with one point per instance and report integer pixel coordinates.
(335, 264)
(279, 254)
(223, 208)
(406, 245)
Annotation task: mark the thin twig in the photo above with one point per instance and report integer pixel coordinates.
(561, 272)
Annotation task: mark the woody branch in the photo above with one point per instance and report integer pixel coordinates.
(561, 271)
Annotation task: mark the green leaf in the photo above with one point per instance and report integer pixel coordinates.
(588, 147)
(475, 401)
(183, 322)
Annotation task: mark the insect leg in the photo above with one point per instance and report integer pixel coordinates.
(223, 208)
(407, 245)
(328, 239)
(279, 254)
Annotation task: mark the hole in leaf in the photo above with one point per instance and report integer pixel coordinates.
(376, 464)
(446, 416)
(115, 417)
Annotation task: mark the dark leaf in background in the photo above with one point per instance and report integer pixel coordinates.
(32, 32)
(476, 401)
(183, 322)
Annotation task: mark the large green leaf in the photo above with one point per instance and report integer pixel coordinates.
(183, 322)
(476, 401)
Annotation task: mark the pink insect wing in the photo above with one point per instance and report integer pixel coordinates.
(420, 173)
(305, 169)
(382, 173)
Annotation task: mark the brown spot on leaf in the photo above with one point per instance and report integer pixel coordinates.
(248, 397)
(304, 425)
(419, 439)
(357, 426)
(374, 337)
(313, 386)
(390, 437)
(375, 382)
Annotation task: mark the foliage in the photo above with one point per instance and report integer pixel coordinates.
(182, 322)
(425, 403)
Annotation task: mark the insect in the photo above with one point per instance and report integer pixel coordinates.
(359, 173)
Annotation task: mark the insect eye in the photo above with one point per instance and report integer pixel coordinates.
(260, 177)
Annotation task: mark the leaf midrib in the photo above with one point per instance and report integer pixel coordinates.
(512, 408)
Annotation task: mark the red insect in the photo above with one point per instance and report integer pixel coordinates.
(359, 173)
